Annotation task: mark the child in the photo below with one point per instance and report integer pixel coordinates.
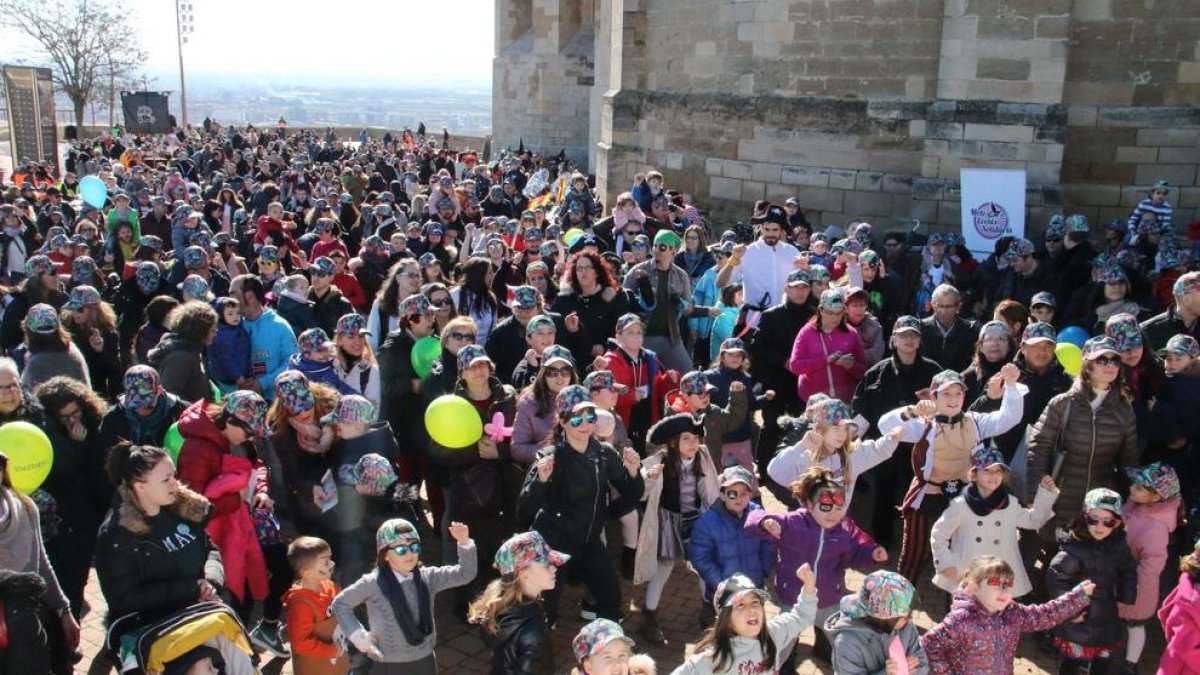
(697, 393)
(1042, 307)
(509, 611)
(1155, 204)
(637, 369)
(229, 354)
(1093, 548)
(834, 443)
(731, 367)
(314, 358)
(732, 297)
(980, 634)
(539, 334)
(1180, 617)
(602, 648)
(681, 483)
(818, 533)
(984, 521)
(364, 458)
(1174, 407)
(1150, 518)
(870, 622)
(202, 660)
(399, 595)
(310, 626)
(742, 640)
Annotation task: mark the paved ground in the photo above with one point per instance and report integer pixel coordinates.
(460, 649)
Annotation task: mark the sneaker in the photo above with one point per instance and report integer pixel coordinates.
(1130, 668)
(267, 639)
(587, 611)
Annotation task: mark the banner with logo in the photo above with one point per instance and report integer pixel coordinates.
(145, 112)
(993, 205)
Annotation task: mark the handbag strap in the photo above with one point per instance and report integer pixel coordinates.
(828, 367)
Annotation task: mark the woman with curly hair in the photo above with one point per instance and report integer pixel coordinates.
(92, 324)
(179, 357)
(75, 483)
(590, 290)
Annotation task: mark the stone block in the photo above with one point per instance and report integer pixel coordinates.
(1092, 10)
(995, 132)
(821, 199)
(1136, 155)
(713, 166)
(842, 179)
(1081, 115)
(1003, 69)
(949, 212)
(916, 128)
(869, 180)
(1005, 27)
(1043, 172)
(1175, 174)
(753, 191)
(1096, 195)
(725, 188)
(1109, 172)
(1189, 72)
(766, 173)
(927, 188)
(778, 194)
(807, 176)
(1179, 138)
(671, 160)
(736, 169)
(924, 210)
(944, 130)
(868, 203)
(1188, 197)
(897, 183)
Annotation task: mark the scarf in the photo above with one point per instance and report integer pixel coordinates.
(948, 419)
(1108, 309)
(982, 506)
(393, 590)
(141, 427)
(621, 218)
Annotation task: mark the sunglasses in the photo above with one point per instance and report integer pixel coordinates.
(441, 302)
(405, 549)
(1001, 583)
(587, 417)
(1107, 360)
(829, 498)
(470, 337)
(1107, 522)
(552, 371)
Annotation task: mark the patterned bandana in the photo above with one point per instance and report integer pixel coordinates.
(141, 386)
(351, 409)
(571, 399)
(1124, 331)
(82, 296)
(695, 383)
(1103, 498)
(291, 390)
(595, 636)
(249, 408)
(194, 287)
(524, 297)
(1158, 477)
(393, 532)
(884, 595)
(525, 549)
(1182, 345)
(372, 471)
(42, 318)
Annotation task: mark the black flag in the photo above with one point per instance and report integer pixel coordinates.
(146, 112)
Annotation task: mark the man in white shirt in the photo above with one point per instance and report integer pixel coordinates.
(762, 267)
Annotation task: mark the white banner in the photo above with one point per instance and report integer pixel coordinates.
(993, 205)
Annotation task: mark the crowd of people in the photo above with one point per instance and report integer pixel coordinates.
(230, 352)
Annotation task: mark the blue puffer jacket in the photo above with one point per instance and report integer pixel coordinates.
(719, 548)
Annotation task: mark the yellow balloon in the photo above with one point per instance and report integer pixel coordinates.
(453, 422)
(29, 455)
(1070, 356)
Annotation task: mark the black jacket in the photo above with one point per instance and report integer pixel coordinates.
(399, 405)
(11, 333)
(517, 645)
(329, 308)
(771, 349)
(1112, 567)
(597, 316)
(115, 426)
(887, 385)
(507, 346)
(1161, 327)
(138, 575)
(956, 349)
(1072, 268)
(1042, 388)
(570, 509)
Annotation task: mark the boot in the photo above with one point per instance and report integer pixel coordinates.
(628, 558)
(650, 629)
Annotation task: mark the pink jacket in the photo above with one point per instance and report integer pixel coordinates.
(1180, 617)
(1148, 530)
(811, 365)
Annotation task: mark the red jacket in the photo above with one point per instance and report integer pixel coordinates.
(206, 466)
(650, 373)
(353, 291)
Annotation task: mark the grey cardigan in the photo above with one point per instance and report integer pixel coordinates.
(383, 624)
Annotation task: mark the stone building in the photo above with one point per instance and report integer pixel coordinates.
(861, 108)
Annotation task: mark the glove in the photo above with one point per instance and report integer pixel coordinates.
(365, 643)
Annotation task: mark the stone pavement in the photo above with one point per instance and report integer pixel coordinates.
(460, 649)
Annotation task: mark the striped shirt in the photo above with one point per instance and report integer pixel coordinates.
(1163, 212)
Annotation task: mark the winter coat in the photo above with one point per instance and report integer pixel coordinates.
(771, 348)
(719, 421)
(810, 362)
(354, 510)
(299, 314)
(517, 646)
(1148, 529)
(625, 372)
(1042, 388)
(951, 350)
(138, 575)
(399, 405)
(1174, 414)
(720, 548)
(1098, 445)
(1180, 618)
(206, 466)
(571, 508)
(888, 385)
(26, 648)
(180, 365)
(748, 656)
(329, 308)
(973, 641)
(859, 649)
(1161, 327)
(829, 552)
(530, 429)
(11, 333)
(870, 331)
(272, 343)
(598, 313)
(40, 367)
(382, 619)
(645, 565)
(104, 366)
(721, 378)
(960, 534)
(1108, 563)
(363, 378)
(229, 355)
(310, 631)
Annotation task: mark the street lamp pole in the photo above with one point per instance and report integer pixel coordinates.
(180, 40)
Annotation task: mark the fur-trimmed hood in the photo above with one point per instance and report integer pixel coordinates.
(190, 506)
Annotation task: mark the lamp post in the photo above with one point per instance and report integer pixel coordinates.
(184, 26)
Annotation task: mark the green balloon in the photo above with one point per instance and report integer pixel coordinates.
(216, 393)
(453, 422)
(173, 441)
(424, 354)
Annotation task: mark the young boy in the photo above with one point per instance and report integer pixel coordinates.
(310, 626)
(539, 334)
(229, 355)
(637, 369)
(1042, 307)
(696, 395)
(869, 621)
(1157, 204)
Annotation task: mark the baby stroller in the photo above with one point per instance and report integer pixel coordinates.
(149, 650)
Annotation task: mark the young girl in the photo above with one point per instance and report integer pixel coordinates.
(987, 618)
(1180, 617)
(1094, 548)
(870, 622)
(399, 595)
(820, 534)
(509, 611)
(984, 521)
(833, 443)
(742, 640)
(681, 483)
(602, 648)
(1150, 518)
(229, 354)
(732, 366)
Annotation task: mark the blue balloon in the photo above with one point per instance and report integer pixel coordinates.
(93, 190)
(1075, 335)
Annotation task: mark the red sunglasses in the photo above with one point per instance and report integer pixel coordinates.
(1001, 583)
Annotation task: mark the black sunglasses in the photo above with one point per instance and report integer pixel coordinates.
(470, 337)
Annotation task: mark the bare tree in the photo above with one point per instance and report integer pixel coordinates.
(86, 43)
